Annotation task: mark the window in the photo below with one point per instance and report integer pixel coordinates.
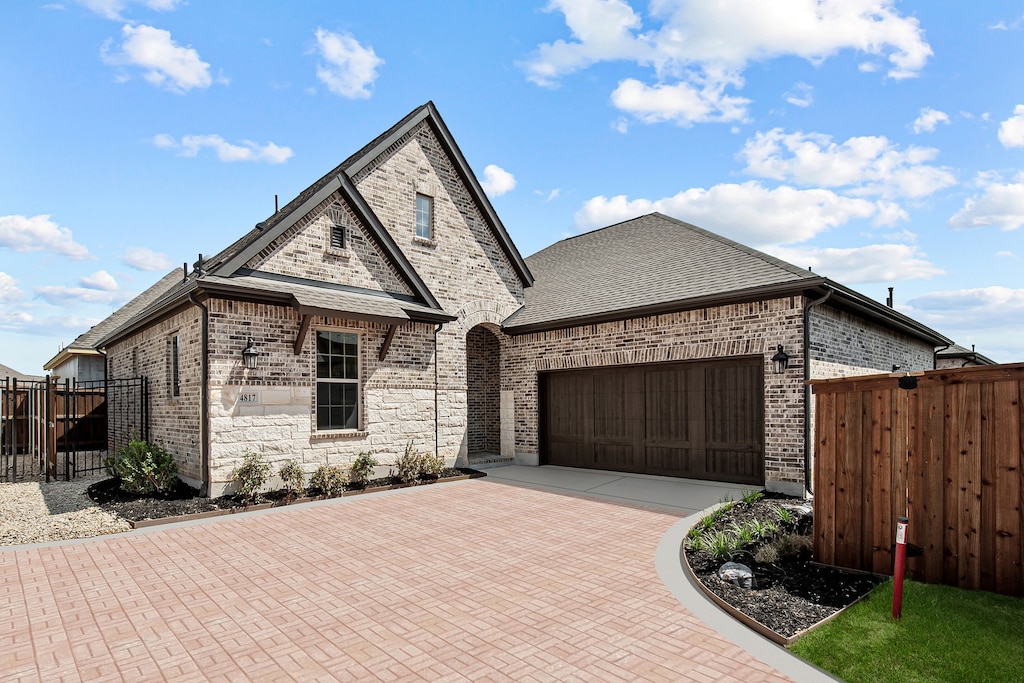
(424, 217)
(337, 380)
(175, 375)
(338, 237)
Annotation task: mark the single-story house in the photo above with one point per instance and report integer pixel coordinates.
(387, 304)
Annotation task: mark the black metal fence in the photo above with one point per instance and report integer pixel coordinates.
(53, 429)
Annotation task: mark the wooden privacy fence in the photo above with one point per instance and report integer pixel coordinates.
(943, 448)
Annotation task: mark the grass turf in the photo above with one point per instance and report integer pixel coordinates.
(945, 634)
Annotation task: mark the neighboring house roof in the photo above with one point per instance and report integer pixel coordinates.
(87, 343)
(20, 376)
(957, 352)
(657, 264)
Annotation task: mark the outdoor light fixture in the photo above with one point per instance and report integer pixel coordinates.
(250, 355)
(780, 361)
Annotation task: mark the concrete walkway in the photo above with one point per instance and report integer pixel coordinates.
(487, 579)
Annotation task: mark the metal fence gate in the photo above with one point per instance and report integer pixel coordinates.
(52, 429)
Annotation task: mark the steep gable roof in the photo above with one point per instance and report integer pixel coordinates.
(658, 264)
(340, 179)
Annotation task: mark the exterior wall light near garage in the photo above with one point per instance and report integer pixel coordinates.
(780, 361)
(250, 355)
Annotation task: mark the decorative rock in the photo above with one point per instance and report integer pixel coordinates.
(737, 574)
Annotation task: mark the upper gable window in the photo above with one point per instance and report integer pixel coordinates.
(424, 217)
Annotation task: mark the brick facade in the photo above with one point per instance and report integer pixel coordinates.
(844, 345)
(735, 330)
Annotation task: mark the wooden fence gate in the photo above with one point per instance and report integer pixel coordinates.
(943, 448)
(60, 430)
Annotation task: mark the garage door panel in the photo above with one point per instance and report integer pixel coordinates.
(674, 462)
(693, 419)
(743, 467)
(618, 457)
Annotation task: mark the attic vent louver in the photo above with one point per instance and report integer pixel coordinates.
(338, 237)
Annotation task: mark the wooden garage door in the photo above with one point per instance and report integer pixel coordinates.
(703, 420)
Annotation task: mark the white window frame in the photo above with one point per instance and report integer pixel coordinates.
(429, 237)
(358, 381)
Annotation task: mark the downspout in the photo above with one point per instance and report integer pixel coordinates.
(807, 388)
(437, 432)
(935, 356)
(204, 408)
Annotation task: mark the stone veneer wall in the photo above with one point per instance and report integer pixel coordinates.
(173, 420)
(272, 410)
(755, 328)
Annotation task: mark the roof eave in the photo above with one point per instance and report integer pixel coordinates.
(882, 314)
(678, 306)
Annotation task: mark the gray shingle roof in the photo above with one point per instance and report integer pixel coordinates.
(643, 264)
(6, 371)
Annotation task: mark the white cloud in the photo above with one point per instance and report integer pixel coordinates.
(190, 145)
(697, 48)
(164, 63)
(1006, 254)
(112, 9)
(869, 165)
(9, 291)
(1011, 131)
(870, 263)
(969, 307)
(143, 259)
(21, 321)
(554, 194)
(60, 295)
(999, 204)
(497, 181)
(603, 31)
(101, 280)
(682, 103)
(802, 95)
(348, 69)
(928, 119)
(748, 213)
(39, 233)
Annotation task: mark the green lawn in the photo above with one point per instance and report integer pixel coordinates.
(945, 634)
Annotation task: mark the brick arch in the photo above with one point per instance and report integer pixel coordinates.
(483, 389)
(479, 312)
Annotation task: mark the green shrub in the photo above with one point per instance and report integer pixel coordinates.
(143, 468)
(251, 475)
(292, 477)
(407, 466)
(431, 464)
(329, 480)
(751, 496)
(362, 468)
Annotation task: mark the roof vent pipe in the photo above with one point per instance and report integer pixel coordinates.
(888, 302)
(184, 269)
(275, 204)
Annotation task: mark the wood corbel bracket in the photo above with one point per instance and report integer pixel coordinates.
(300, 338)
(387, 342)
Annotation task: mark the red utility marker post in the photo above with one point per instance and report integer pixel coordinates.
(901, 560)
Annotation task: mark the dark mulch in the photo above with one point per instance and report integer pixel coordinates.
(792, 593)
(185, 500)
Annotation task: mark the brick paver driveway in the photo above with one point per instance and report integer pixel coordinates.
(468, 581)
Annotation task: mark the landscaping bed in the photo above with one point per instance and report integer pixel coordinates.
(184, 502)
(771, 535)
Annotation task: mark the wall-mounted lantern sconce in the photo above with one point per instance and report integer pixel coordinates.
(250, 355)
(780, 361)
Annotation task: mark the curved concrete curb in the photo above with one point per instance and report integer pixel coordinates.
(669, 564)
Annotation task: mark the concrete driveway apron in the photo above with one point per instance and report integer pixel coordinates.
(474, 580)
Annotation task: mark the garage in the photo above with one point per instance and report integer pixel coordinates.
(700, 420)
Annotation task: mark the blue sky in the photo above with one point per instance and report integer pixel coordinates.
(881, 143)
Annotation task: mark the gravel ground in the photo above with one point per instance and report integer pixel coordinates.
(37, 512)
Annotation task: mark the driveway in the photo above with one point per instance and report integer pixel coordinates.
(473, 580)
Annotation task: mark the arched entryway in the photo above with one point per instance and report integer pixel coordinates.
(483, 392)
